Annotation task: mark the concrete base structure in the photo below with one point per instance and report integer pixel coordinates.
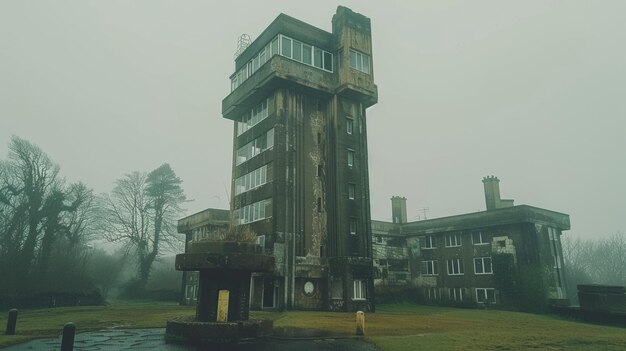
(222, 266)
(193, 332)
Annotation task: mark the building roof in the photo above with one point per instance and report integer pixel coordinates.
(210, 216)
(290, 26)
(477, 220)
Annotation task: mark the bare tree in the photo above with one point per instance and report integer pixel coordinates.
(600, 261)
(609, 260)
(36, 207)
(141, 212)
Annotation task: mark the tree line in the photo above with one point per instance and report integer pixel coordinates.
(594, 261)
(48, 225)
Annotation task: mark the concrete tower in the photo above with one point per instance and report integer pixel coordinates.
(300, 174)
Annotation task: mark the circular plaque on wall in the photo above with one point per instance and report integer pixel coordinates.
(309, 288)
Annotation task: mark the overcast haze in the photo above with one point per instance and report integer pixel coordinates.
(532, 92)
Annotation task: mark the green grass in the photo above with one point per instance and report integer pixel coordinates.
(45, 323)
(392, 327)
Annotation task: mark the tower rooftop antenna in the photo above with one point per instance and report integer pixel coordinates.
(242, 43)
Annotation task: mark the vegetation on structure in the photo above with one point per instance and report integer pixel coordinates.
(241, 233)
(521, 286)
(392, 327)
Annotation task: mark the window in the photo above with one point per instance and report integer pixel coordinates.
(319, 170)
(427, 242)
(429, 268)
(456, 294)
(352, 225)
(349, 125)
(252, 118)
(317, 58)
(556, 262)
(431, 293)
(319, 204)
(455, 266)
(453, 240)
(285, 49)
(350, 158)
(336, 289)
(482, 265)
(328, 61)
(398, 265)
(379, 239)
(478, 238)
(274, 47)
(189, 291)
(297, 50)
(553, 234)
(400, 276)
(255, 147)
(359, 61)
(260, 240)
(254, 64)
(251, 180)
(254, 212)
(359, 292)
(485, 295)
(306, 54)
(554, 237)
(351, 191)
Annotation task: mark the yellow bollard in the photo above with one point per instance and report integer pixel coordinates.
(360, 323)
(222, 306)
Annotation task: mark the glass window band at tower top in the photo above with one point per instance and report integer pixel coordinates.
(287, 47)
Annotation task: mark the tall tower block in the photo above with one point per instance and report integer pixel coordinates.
(300, 174)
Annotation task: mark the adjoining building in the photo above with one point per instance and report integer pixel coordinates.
(509, 255)
(198, 226)
(298, 100)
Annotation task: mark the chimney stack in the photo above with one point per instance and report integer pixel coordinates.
(492, 194)
(398, 209)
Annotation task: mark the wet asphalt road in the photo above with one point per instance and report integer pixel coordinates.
(152, 339)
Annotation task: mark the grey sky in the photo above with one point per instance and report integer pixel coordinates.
(531, 91)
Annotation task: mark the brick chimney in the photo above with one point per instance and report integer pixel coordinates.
(398, 209)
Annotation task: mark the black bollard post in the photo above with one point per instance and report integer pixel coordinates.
(67, 342)
(11, 322)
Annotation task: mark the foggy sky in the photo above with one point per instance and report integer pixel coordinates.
(532, 92)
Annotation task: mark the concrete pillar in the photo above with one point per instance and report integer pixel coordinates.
(360, 323)
(67, 341)
(11, 322)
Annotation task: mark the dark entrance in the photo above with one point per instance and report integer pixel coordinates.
(269, 295)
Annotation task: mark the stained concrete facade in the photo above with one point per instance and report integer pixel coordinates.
(300, 172)
(452, 259)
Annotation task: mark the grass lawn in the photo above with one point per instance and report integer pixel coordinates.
(392, 327)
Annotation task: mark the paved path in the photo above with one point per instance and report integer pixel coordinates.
(152, 339)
